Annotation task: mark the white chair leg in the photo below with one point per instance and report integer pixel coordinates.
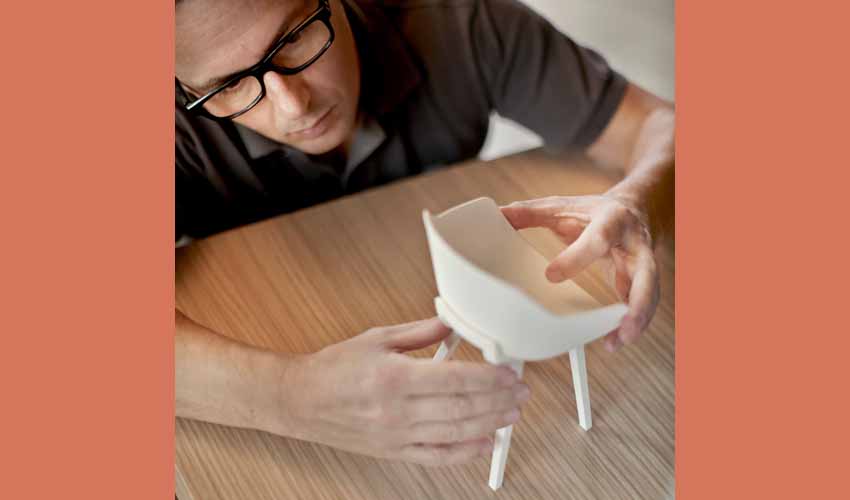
(579, 370)
(502, 443)
(447, 347)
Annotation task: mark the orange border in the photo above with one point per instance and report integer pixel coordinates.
(87, 253)
(87, 259)
(762, 177)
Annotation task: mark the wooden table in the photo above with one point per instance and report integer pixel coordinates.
(305, 280)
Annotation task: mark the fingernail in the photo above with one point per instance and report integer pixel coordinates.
(613, 344)
(512, 416)
(522, 393)
(555, 275)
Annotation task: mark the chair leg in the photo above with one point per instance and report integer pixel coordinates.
(502, 443)
(579, 370)
(447, 347)
(492, 354)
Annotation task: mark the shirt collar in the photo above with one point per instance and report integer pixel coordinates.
(388, 72)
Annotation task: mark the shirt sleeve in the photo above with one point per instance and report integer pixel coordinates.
(210, 197)
(539, 77)
(184, 163)
(194, 201)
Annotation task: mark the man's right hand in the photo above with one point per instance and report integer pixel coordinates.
(364, 396)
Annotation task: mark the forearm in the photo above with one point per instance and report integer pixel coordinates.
(650, 172)
(226, 382)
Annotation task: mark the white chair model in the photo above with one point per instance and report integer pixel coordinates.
(493, 293)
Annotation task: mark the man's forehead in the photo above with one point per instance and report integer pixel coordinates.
(217, 37)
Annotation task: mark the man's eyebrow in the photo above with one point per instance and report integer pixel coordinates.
(285, 26)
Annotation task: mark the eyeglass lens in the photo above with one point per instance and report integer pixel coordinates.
(299, 50)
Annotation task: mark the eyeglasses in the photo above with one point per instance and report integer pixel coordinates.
(293, 53)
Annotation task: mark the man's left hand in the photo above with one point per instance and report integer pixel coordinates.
(594, 227)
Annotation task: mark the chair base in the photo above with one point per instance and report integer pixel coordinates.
(493, 354)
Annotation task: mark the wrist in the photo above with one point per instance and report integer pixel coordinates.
(630, 196)
(268, 397)
(648, 193)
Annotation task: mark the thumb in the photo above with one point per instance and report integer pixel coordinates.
(416, 335)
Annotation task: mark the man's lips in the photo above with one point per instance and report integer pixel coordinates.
(318, 128)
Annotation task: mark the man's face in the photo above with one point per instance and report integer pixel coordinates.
(314, 110)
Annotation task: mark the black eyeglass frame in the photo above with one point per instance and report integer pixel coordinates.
(322, 13)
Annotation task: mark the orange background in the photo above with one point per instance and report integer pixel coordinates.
(87, 248)
(87, 263)
(761, 278)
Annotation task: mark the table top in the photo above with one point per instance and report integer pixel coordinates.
(301, 281)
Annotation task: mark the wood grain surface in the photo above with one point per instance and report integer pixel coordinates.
(302, 281)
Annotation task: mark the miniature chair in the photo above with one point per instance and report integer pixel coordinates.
(493, 293)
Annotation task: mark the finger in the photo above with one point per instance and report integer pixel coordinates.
(568, 230)
(468, 405)
(530, 213)
(380, 333)
(462, 430)
(612, 341)
(622, 277)
(643, 297)
(428, 377)
(566, 224)
(590, 246)
(542, 212)
(416, 335)
(435, 455)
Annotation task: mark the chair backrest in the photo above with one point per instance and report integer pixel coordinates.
(492, 277)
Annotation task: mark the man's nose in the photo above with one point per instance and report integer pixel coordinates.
(288, 93)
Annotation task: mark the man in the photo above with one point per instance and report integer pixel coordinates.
(283, 104)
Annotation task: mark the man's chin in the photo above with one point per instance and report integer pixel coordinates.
(317, 146)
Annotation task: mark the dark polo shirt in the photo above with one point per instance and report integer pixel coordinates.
(433, 70)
